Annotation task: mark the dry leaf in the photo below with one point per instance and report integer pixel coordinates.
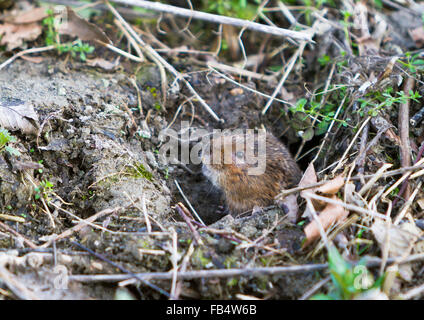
(30, 16)
(401, 237)
(32, 59)
(18, 115)
(84, 30)
(352, 196)
(102, 63)
(417, 35)
(402, 240)
(309, 177)
(332, 213)
(14, 35)
(332, 186)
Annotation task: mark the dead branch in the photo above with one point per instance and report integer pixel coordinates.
(226, 273)
(156, 6)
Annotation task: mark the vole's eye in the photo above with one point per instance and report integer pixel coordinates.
(240, 154)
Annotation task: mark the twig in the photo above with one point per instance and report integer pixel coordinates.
(226, 273)
(405, 147)
(82, 224)
(399, 181)
(156, 6)
(374, 179)
(417, 291)
(11, 218)
(180, 208)
(249, 89)
(157, 57)
(188, 202)
(122, 52)
(289, 68)
(24, 52)
(314, 289)
(174, 261)
(99, 256)
(348, 206)
(407, 205)
(240, 72)
(18, 235)
(329, 128)
(350, 145)
(315, 118)
(18, 289)
(318, 184)
(130, 39)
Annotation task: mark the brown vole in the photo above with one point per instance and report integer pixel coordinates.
(244, 182)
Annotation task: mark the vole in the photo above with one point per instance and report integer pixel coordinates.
(233, 164)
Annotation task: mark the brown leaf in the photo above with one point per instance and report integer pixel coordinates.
(309, 177)
(401, 241)
(332, 186)
(332, 213)
(102, 63)
(18, 115)
(30, 16)
(32, 59)
(417, 35)
(401, 238)
(84, 30)
(14, 35)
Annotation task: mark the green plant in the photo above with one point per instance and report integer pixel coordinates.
(376, 100)
(323, 112)
(44, 189)
(414, 62)
(235, 8)
(5, 138)
(52, 38)
(348, 280)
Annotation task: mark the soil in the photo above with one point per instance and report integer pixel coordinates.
(94, 161)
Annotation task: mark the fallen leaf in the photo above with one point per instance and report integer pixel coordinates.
(18, 115)
(401, 241)
(32, 59)
(332, 186)
(352, 196)
(102, 63)
(417, 35)
(84, 30)
(401, 238)
(14, 35)
(29, 16)
(331, 214)
(308, 178)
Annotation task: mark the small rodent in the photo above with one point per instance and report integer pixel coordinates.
(244, 191)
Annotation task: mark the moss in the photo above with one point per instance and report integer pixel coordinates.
(139, 171)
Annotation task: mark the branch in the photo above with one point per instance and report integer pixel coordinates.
(156, 6)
